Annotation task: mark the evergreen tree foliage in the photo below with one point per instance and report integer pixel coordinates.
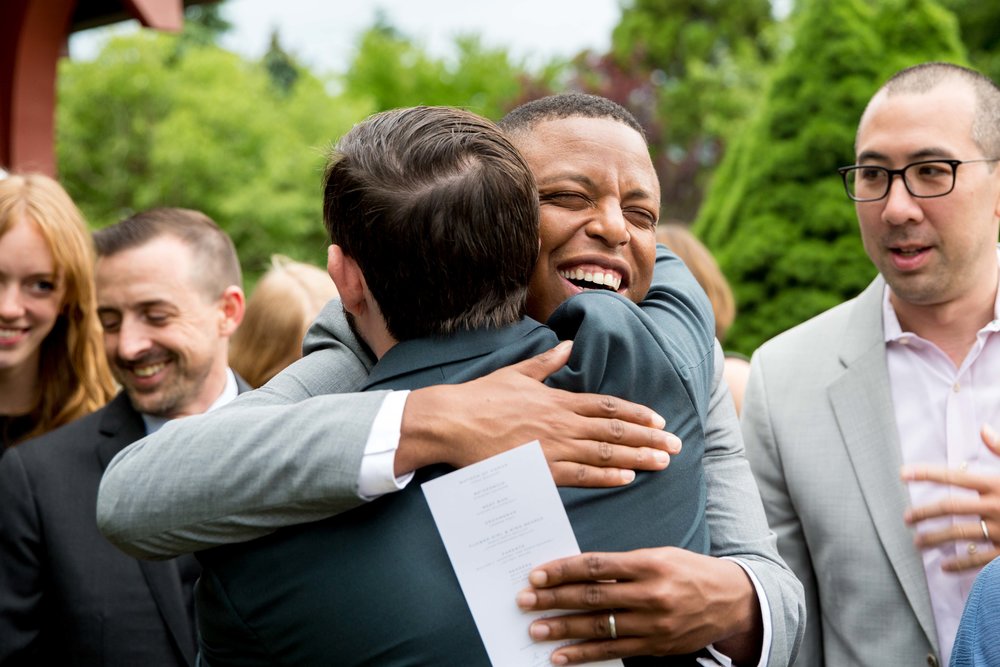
(980, 25)
(690, 70)
(777, 217)
(281, 67)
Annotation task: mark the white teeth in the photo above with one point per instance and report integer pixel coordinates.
(148, 371)
(9, 333)
(597, 277)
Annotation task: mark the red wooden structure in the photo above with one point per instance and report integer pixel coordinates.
(33, 36)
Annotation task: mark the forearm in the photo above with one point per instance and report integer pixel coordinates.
(235, 475)
(739, 529)
(287, 453)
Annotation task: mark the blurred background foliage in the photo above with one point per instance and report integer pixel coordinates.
(748, 116)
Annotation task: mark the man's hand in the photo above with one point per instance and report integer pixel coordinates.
(588, 439)
(985, 508)
(666, 601)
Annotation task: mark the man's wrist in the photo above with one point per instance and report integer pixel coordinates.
(422, 440)
(751, 641)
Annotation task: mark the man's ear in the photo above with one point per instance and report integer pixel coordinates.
(347, 276)
(231, 310)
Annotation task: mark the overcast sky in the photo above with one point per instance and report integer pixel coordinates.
(321, 33)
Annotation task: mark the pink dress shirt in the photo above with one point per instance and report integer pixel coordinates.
(939, 411)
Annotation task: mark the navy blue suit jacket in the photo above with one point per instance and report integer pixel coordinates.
(374, 585)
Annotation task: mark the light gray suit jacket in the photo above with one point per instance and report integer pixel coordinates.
(256, 466)
(821, 438)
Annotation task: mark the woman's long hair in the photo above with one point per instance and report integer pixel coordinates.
(73, 375)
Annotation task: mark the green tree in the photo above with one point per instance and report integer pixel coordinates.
(281, 66)
(777, 218)
(139, 127)
(979, 23)
(690, 70)
(390, 71)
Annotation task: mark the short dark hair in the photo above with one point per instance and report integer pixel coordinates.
(986, 116)
(217, 264)
(440, 212)
(523, 118)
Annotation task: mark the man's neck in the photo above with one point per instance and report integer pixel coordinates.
(951, 326)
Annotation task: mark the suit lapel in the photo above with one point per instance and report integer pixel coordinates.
(120, 426)
(165, 581)
(862, 402)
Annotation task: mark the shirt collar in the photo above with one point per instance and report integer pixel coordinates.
(893, 332)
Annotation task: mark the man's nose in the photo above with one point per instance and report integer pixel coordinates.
(900, 206)
(609, 225)
(133, 341)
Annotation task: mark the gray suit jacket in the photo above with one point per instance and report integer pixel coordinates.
(290, 453)
(821, 438)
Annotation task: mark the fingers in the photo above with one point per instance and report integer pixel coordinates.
(638, 634)
(545, 364)
(597, 440)
(580, 568)
(592, 477)
(965, 531)
(594, 464)
(586, 578)
(577, 626)
(595, 595)
(967, 562)
(596, 651)
(954, 505)
(991, 438)
(945, 475)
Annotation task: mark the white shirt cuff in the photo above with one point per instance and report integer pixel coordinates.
(765, 614)
(379, 461)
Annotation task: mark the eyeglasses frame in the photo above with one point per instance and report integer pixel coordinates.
(900, 172)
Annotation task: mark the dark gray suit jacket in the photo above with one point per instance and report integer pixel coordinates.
(67, 596)
(374, 585)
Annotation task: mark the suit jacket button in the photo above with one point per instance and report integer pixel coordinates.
(932, 660)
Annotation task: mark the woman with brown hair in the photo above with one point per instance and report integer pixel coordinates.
(708, 274)
(284, 303)
(52, 363)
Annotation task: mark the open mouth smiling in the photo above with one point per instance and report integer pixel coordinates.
(590, 277)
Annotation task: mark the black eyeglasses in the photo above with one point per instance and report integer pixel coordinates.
(925, 179)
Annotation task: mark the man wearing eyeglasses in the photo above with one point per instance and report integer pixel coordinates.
(868, 426)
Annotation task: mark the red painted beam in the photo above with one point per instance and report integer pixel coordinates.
(37, 34)
(167, 15)
(33, 35)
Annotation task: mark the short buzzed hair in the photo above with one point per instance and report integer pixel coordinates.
(216, 264)
(986, 115)
(523, 119)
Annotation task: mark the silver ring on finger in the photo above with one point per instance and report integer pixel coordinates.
(612, 626)
(986, 531)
